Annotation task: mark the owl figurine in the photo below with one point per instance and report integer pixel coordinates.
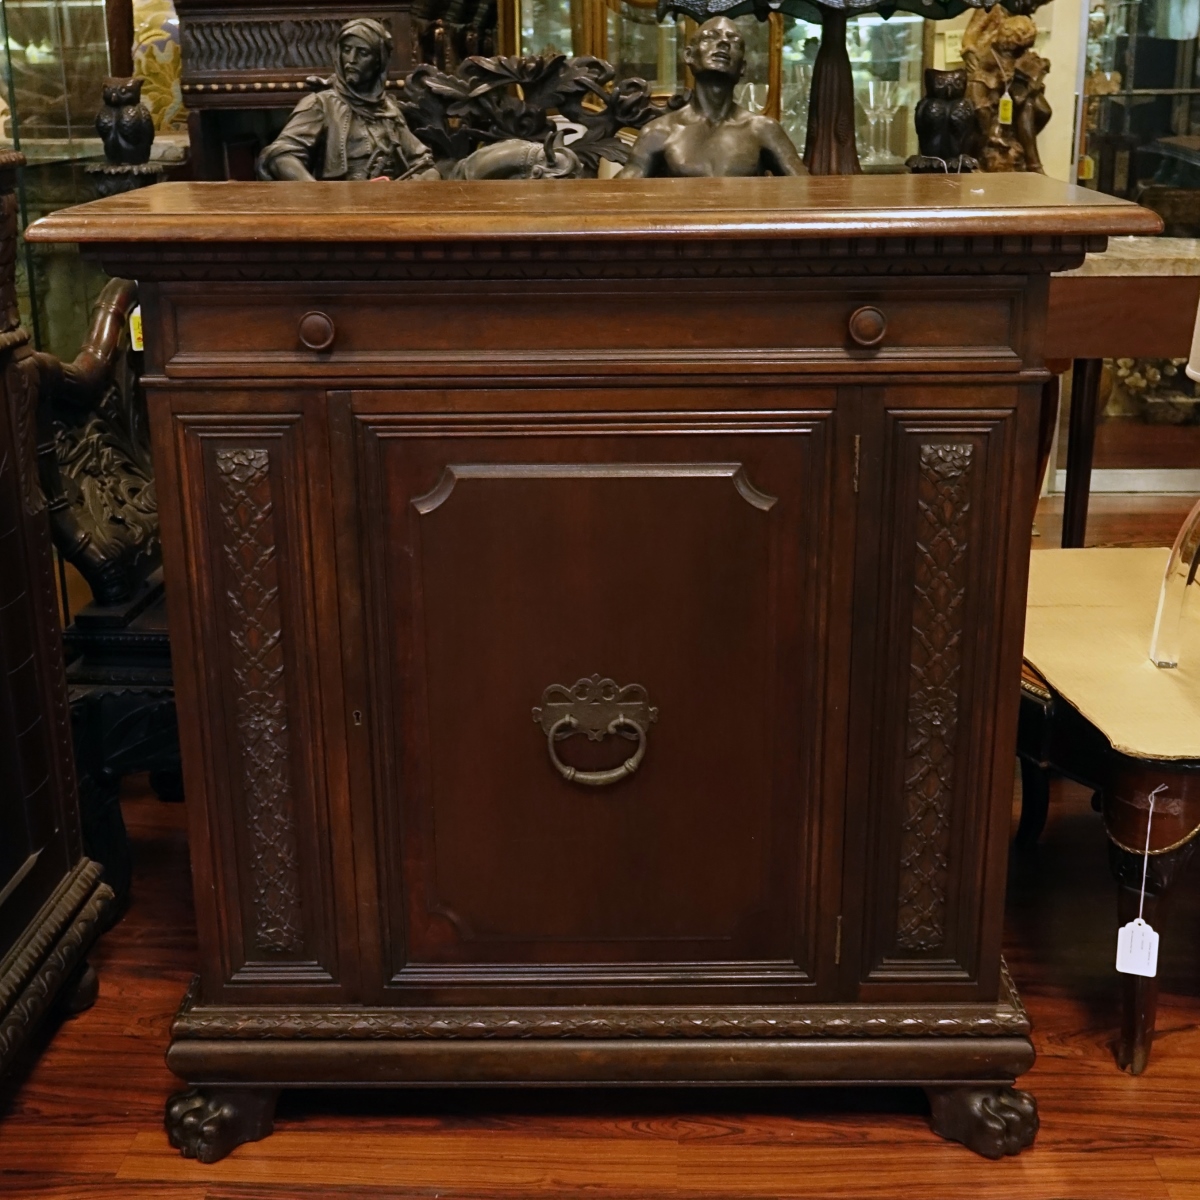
(945, 121)
(124, 123)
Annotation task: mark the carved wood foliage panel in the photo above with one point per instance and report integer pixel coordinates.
(257, 634)
(935, 680)
(255, 623)
(943, 513)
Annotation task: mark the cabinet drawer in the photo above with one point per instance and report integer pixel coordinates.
(285, 331)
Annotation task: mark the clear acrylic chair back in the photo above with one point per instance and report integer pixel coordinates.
(1177, 586)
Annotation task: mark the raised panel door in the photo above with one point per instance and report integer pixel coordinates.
(502, 555)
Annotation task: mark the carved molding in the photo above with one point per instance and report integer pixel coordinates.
(442, 490)
(259, 44)
(1005, 1019)
(939, 598)
(260, 719)
(614, 258)
(43, 963)
(244, 86)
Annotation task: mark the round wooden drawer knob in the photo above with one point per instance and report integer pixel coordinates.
(317, 331)
(867, 325)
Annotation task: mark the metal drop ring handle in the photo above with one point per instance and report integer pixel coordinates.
(597, 778)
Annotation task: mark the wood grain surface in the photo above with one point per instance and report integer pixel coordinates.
(920, 206)
(85, 1117)
(1132, 316)
(1119, 518)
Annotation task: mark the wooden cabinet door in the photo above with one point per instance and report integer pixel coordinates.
(498, 554)
(946, 505)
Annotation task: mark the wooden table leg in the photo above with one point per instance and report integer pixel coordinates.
(1139, 995)
(1081, 443)
(1035, 803)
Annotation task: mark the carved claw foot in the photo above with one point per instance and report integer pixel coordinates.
(80, 990)
(207, 1123)
(992, 1121)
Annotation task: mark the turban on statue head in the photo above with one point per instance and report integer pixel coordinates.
(376, 35)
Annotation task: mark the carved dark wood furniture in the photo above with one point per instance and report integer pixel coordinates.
(96, 474)
(52, 902)
(123, 721)
(596, 614)
(1056, 739)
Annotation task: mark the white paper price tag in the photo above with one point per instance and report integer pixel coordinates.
(1137, 949)
(1137, 943)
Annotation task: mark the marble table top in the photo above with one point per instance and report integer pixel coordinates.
(1144, 256)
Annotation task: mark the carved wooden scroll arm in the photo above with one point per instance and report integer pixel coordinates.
(114, 528)
(82, 383)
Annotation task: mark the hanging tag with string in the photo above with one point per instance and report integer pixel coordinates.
(1137, 943)
(1005, 113)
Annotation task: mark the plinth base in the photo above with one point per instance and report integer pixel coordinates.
(966, 1056)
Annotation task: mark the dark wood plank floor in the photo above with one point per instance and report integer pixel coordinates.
(83, 1119)
(1117, 519)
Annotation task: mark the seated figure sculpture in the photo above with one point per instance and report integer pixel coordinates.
(711, 134)
(352, 129)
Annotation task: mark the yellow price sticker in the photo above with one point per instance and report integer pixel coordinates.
(135, 329)
(1087, 167)
(1006, 109)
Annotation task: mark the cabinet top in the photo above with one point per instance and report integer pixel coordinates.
(845, 206)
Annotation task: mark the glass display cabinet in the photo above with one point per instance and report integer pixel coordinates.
(1140, 139)
(56, 56)
(54, 63)
(1141, 136)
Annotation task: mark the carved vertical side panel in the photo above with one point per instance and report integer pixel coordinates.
(256, 635)
(926, 802)
(931, 726)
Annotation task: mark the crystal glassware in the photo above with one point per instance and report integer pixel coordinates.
(880, 102)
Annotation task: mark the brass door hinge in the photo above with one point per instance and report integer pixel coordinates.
(837, 945)
(857, 451)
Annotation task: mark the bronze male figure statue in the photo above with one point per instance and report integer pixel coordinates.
(352, 129)
(711, 134)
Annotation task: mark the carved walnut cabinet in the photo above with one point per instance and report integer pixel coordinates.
(597, 611)
(53, 902)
